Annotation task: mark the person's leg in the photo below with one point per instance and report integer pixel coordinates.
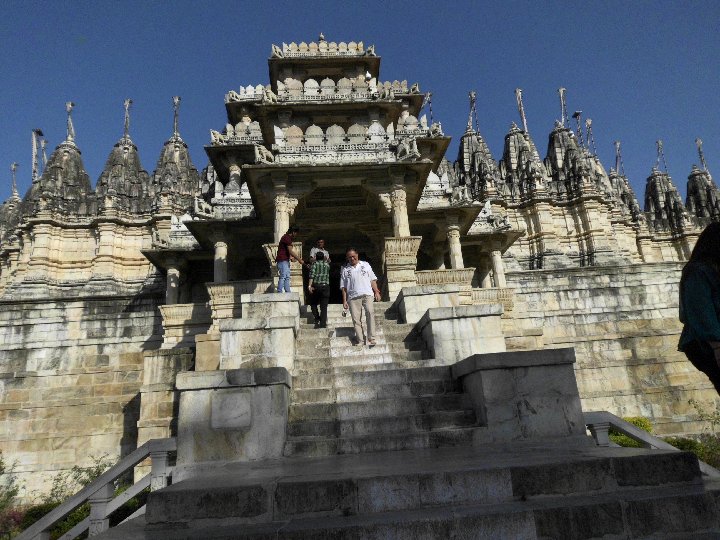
(314, 297)
(369, 318)
(284, 276)
(356, 314)
(324, 299)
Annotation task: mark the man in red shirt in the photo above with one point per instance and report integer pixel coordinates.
(286, 252)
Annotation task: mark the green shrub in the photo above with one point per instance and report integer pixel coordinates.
(9, 515)
(623, 440)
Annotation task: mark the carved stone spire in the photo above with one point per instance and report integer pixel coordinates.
(14, 196)
(175, 181)
(703, 196)
(664, 209)
(699, 143)
(472, 114)
(124, 184)
(523, 173)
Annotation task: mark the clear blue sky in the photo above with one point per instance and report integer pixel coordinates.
(641, 70)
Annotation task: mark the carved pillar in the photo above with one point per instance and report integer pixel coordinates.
(172, 289)
(498, 269)
(235, 178)
(220, 262)
(453, 238)
(401, 224)
(400, 261)
(105, 250)
(284, 208)
(38, 263)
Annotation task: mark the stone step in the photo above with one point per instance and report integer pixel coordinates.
(370, 392)
(378, 408)
(310, 364)
(316, 447)
(396, 363)
(382, 426)
(534, 491)
(358, 378)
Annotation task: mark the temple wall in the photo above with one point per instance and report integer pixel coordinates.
(70, 376)
(623, 323)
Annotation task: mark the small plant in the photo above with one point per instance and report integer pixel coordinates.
(10, 516)
(623, 440)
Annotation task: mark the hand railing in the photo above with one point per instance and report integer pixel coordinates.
(99, 494)
(600, 422)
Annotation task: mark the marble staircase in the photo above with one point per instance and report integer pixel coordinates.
(352, 399)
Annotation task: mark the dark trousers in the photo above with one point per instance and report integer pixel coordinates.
(320, 295)
(703, 358)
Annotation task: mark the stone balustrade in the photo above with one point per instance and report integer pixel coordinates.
(182, 322)
(502, 296)
(225, 297)
(462, 277)
(323, 48)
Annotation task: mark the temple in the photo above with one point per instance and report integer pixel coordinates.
(115, 300)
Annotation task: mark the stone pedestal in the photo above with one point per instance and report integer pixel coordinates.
(400, 261)
(258, 342)
(271, 305)
(413, 302)
(225, 298)
(182, 322)
(524, 395)
(454, 333)
(230, 416)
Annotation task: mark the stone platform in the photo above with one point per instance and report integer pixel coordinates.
(502, 491)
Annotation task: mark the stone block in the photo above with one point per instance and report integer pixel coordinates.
(523, 395)
(270, 305)
(272, 339)
(413, 302)
(235, 415)
(207, 352)
(455, 333)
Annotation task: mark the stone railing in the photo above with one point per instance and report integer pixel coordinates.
(502, 296)
(402, 250)
(462, 277)
(322, 48)
(600, 422)
(100, 493)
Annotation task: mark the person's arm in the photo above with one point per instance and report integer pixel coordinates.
(312, 277)
(344, 295)
(375, 289)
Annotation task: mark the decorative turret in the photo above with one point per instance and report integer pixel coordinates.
(124, 184)
(703, 196)
(477, 172)
(664, 209)
(64, 186)
(523, 173)
(175, 181)
(10, 209)
(623, 194)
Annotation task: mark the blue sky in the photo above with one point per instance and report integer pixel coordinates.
(641, 70)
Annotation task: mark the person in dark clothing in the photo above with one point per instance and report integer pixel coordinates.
(286, 252)
(319, 288)
(700, 305)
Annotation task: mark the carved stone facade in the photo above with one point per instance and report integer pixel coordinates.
(559, 242)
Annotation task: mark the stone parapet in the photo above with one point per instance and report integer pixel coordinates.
(258, 342)
(229, 416)
(494, 295)
(524, 395)
(182, 322)
(225, 297)
(454, 333)
(413, 302)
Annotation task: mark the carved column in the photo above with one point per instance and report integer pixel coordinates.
(220, 262)
(498, 269)
(284, 208)
(39, 262)
(401, 224)
(105, 250)
(172, 288)
(453, 238)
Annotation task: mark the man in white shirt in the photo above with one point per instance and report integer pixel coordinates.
(319, 246)
(358, 283)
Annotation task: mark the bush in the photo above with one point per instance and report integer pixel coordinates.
(10, 517)
(623, 440)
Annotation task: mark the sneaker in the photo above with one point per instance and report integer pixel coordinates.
(372, 342)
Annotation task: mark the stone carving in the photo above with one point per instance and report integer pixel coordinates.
(406, 148)
(263, 155)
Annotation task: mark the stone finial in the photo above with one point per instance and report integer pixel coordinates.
(590, 137)
(577, 115)
(699, 143)
(473, 98)
(70, 128)
(43, 144)
(321, 37)
(563, 107)
(619, 165)
(176, 109)
(521, 108)
(126, 131)
(36, 134)
(13, 168)
(660, 156)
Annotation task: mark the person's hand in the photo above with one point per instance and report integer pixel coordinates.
(345, 305)
(310, 288)
(377, 296)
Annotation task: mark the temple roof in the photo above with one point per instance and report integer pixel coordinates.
(175, 174)
(125, 179)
